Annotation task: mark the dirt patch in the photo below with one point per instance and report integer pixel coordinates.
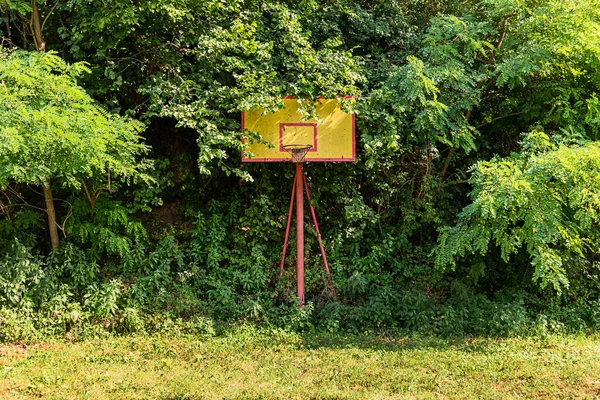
(11, 353)
(591, 386)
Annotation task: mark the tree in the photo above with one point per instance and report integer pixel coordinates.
(540, 196)
(26, 20)
(544, 199)
(52, 132)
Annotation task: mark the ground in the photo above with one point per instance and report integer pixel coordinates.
(251, 365)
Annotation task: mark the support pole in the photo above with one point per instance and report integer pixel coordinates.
(300, 230)
(300, 184)
(287, 228)
(314, 217)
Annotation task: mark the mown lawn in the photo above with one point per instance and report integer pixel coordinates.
(247, 365)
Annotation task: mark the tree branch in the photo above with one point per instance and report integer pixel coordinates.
(447, 162)
(87, 194)
(498, 118)
(8, 31)
(459, 182)
(48, 16)
(500, 39)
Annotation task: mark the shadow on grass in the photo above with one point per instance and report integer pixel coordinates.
(396, 343)
(251, 337)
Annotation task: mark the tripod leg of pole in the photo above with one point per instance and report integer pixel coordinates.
(300, 231)
(287, 229)
(314, 217)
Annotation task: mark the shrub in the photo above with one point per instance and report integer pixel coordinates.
(20, 272)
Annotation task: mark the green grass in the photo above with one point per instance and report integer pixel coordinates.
(249, 365)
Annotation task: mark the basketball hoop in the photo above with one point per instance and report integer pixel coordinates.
(330, 138)
(298, 151)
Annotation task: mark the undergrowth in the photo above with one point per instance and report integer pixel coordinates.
(165, 290)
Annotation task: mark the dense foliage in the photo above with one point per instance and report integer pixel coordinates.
(51, 131)
(489, 107)
(544, 199)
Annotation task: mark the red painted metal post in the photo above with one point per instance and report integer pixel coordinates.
(287, 229)
(300, 231)
(314, 216)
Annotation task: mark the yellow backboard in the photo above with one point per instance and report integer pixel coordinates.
(332, 136)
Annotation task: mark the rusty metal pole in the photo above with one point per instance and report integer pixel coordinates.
(314, 216)
(287, 228)
(300, 230)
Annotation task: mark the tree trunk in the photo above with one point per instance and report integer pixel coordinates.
(52, 225)
(36, 27)
(8, 31)
(40, 45)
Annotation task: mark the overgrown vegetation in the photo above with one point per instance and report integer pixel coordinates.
(472, 208)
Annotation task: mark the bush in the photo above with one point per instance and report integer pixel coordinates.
(20, 272)
(16, 327)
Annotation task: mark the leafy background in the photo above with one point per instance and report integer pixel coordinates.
(472, 208)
